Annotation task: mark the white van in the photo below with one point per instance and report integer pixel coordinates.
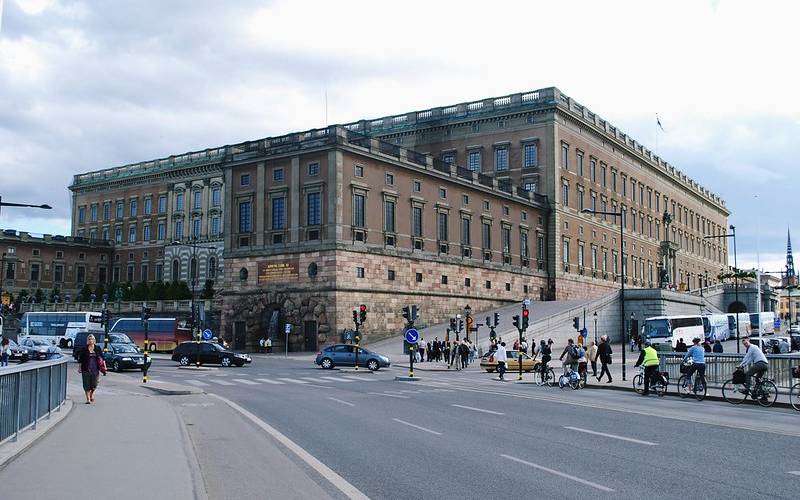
(663, 332)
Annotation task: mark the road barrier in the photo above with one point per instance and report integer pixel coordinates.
(720, 367)
(30, 392)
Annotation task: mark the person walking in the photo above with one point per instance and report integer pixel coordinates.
(604, 353)
(592, 355)
(421, 349)
(717, 347)
(446, 351)
(501, 357)
(5, 351)
(463, 350)
(681, 346)
(648, 358)
(90, 365)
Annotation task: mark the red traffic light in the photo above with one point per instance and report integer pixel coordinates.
(362, 308)
(525, 313)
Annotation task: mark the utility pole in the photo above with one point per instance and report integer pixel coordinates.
(145, 323)
(359, 317)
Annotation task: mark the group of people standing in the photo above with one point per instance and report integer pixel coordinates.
(459, 353)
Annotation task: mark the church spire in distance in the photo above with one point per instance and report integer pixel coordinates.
(790, 274)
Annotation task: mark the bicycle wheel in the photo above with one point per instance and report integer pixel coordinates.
(734, 393)
(563, 382)
(794, 396)
(549, 377)
(700, 388)
(660, 387)
(683, 386)
(638, 384)
(582, 381)
(767, 394)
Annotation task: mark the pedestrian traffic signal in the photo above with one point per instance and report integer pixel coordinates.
(496, 319)
(525, 314)
(407, 314)
(516, 322)
(576, 323)
(355, 317)
(363, 311)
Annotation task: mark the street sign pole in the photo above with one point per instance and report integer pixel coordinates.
(412, 337)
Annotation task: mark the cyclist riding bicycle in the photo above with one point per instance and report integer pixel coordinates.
(757, 361)
(546, 353)
(648, 358)
(698, 356)
(569, 357)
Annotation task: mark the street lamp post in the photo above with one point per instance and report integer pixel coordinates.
(732, 234)
(468, 320)
(595, 327)
(9, 204)
(622, 274)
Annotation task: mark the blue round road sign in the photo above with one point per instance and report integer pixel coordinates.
(207, 334)
(412, 336)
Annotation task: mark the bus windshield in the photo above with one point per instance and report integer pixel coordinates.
(657, 328)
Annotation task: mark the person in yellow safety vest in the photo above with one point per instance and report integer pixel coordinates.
(648, 357)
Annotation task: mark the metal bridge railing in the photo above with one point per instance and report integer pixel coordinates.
(720, 367)
(30, 392)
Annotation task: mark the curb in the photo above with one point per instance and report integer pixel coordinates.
(26, 440)
(404, 378)
(198, 368)
(172, 389)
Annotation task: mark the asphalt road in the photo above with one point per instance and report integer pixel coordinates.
(467, 435)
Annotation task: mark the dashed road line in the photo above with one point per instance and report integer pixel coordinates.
(340, 401)
(400, 396)
(612, 436)
(416, 426)
(491, 412)
(558, 473)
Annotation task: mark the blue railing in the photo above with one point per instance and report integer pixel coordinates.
(30, 392)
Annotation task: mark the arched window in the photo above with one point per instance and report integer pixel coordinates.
(176, 270)
(212, 268)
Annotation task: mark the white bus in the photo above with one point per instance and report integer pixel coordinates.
(59, 328)
(766, 320)
(717, 327)
(663, 332)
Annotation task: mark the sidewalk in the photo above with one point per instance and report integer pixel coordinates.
(175, 447)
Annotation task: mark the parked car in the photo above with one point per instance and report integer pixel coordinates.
(345, 355)
(125, 356)
(113, 338)
(191, 352)
(489, 364)
(18, 352)
(40, 349)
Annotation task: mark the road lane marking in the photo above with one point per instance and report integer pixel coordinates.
(294, 381)
(245, 381)
(794, 472)
(612, 436)
(360, 379)
(338, 481)
(334, 379)
(269, 381)
(221, 382)
(479, 409)
(197, 383)
(314, 380)
(559, 474)
(340, 401)
(389, 395)
(416, 426)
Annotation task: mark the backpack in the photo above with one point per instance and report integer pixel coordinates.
(581, 353)
(573, 351)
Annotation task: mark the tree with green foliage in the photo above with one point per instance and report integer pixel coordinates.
(38, 296)
(85, 294)
(127, 291)
(141, 291)
(99, 291)
(208, 290)
(183, 291)
(157, 291)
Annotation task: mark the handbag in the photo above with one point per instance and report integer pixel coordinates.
(101, 364)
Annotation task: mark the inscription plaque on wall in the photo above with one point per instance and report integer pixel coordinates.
(279, 270)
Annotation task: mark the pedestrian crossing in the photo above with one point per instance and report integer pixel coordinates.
(222, 379)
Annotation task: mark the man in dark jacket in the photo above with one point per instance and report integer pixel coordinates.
(604, 355)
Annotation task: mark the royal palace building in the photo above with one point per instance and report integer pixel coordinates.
(478, 204)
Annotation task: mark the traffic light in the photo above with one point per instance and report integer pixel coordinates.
(407, 314)
(452, 324)
(460, 325)
(576, 323)
(107, 318)
(516, 322)
(363, 309)
(496, 319)
(145, 313)
(355, 317)
(525, 314)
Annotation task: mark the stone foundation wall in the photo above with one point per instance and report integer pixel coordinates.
(573, 286)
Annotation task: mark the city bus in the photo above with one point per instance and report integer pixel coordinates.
(59, 328)
(763, 320)
(663, 332)
(163, 334)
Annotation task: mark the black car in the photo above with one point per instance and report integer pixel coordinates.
(113, 338)
(192, 352)
(125, 356)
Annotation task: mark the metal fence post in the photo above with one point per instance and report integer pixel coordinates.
(35, 395)
(19, 406)
(49, 391)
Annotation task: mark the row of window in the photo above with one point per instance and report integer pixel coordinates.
(35, 272)
(643, 224)
(133, 205)
(639, 193)
(474, 157)
(313, 210)
(444, 279)
(161, 231)
(278, 174)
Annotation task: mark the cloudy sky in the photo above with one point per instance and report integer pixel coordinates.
(86, 85)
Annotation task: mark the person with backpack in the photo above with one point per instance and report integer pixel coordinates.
(582, 362)
(604, 355)
(569, 357)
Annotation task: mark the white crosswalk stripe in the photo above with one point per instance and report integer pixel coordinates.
(360, 379)
(197, 383)
(334, 379)
(244, 381)
(269, 381)
(315, 380)
(294, 381)
(220, 382)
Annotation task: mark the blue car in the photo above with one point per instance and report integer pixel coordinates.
(345, 355)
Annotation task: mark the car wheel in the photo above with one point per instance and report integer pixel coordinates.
(184, 361)
(226, 361)
(152, 348)
(326, 363)
(116, 366)
(69, 344)
(490, 370)
(373, 365)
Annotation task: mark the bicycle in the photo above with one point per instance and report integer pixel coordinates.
(764, 390)
(548, 377)
(794, 392)
(658, 383)
(569, 379)
(699, 388)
